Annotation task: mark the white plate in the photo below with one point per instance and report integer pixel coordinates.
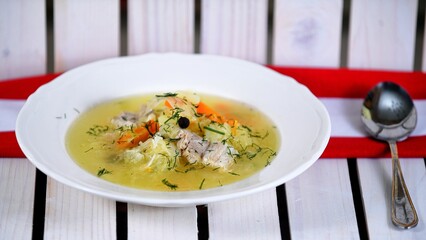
(303, 122)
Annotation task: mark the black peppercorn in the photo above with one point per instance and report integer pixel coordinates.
(183, 122)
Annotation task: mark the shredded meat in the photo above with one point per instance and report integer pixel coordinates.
(191, 146)
(195, 149)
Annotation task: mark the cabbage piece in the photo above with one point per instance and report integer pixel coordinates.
(159, 155)
(190, 97)
(242, 138)
(131, 156)
(216, 132)
(168, 126)
(155, 154)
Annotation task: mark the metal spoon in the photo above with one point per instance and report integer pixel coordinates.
(389, 114)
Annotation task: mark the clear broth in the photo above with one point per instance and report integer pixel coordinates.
(95, 155)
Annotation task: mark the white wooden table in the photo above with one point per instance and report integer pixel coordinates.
(334, 199)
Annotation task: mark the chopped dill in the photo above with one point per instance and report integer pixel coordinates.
(63, 116)
(76, 110)
(235, 174)
(97, 130)
(103, 171)
(169, 184)
(190, 169)
(258, 135)
(268, 160)
(252, 151)
(244, 126)
(195, 112)
(214, 130)
(88, 150)
(201, 184)
(169, 94)
(174, 139)
(171, 162)
(175, 114)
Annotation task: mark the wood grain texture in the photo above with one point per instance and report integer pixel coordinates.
(236, 28)
(17, 184)
(22, 38)
(73, 214)
(239, 29)
(382, 34)
(85, 31)
(160, 26)
(146, 222)
(320, 203)
(307, 33)
(375, 180)
(251, 217)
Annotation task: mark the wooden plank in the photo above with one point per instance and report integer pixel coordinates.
(251, 217)
(17, 183)
(239, 29)
(320, 202)
(146, 222)
(235, 28)
(85, 31)
(73, 214)
(160, 26)
(22, 38)
(375, 179)
(382, 34)
(307, 33)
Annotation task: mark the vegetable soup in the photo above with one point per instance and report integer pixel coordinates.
(173, 141)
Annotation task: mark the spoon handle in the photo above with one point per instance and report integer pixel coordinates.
(404, 214)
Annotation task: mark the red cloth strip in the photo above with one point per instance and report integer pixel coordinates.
(9, 146)
(22, 88)
(348, 147)
(340, 83)
(344, 83)
(338, 147)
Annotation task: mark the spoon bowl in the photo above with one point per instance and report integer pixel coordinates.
(388, 114)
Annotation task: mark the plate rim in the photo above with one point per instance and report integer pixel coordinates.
(177, 202)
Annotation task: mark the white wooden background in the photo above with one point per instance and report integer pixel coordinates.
(382, 35)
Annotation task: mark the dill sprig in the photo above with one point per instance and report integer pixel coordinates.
(169, 94)
(103, 171)
(214, 130)
(268, 160)
(172, 161)
(176, 114)
(97, 130)
(88, 150)
(169, 184)
(201, 184)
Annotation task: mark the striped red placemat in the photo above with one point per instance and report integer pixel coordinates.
(335, 84)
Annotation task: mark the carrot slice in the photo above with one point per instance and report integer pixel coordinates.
(206, 110)
(131, 139)
(168, 104)
(173, 102)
